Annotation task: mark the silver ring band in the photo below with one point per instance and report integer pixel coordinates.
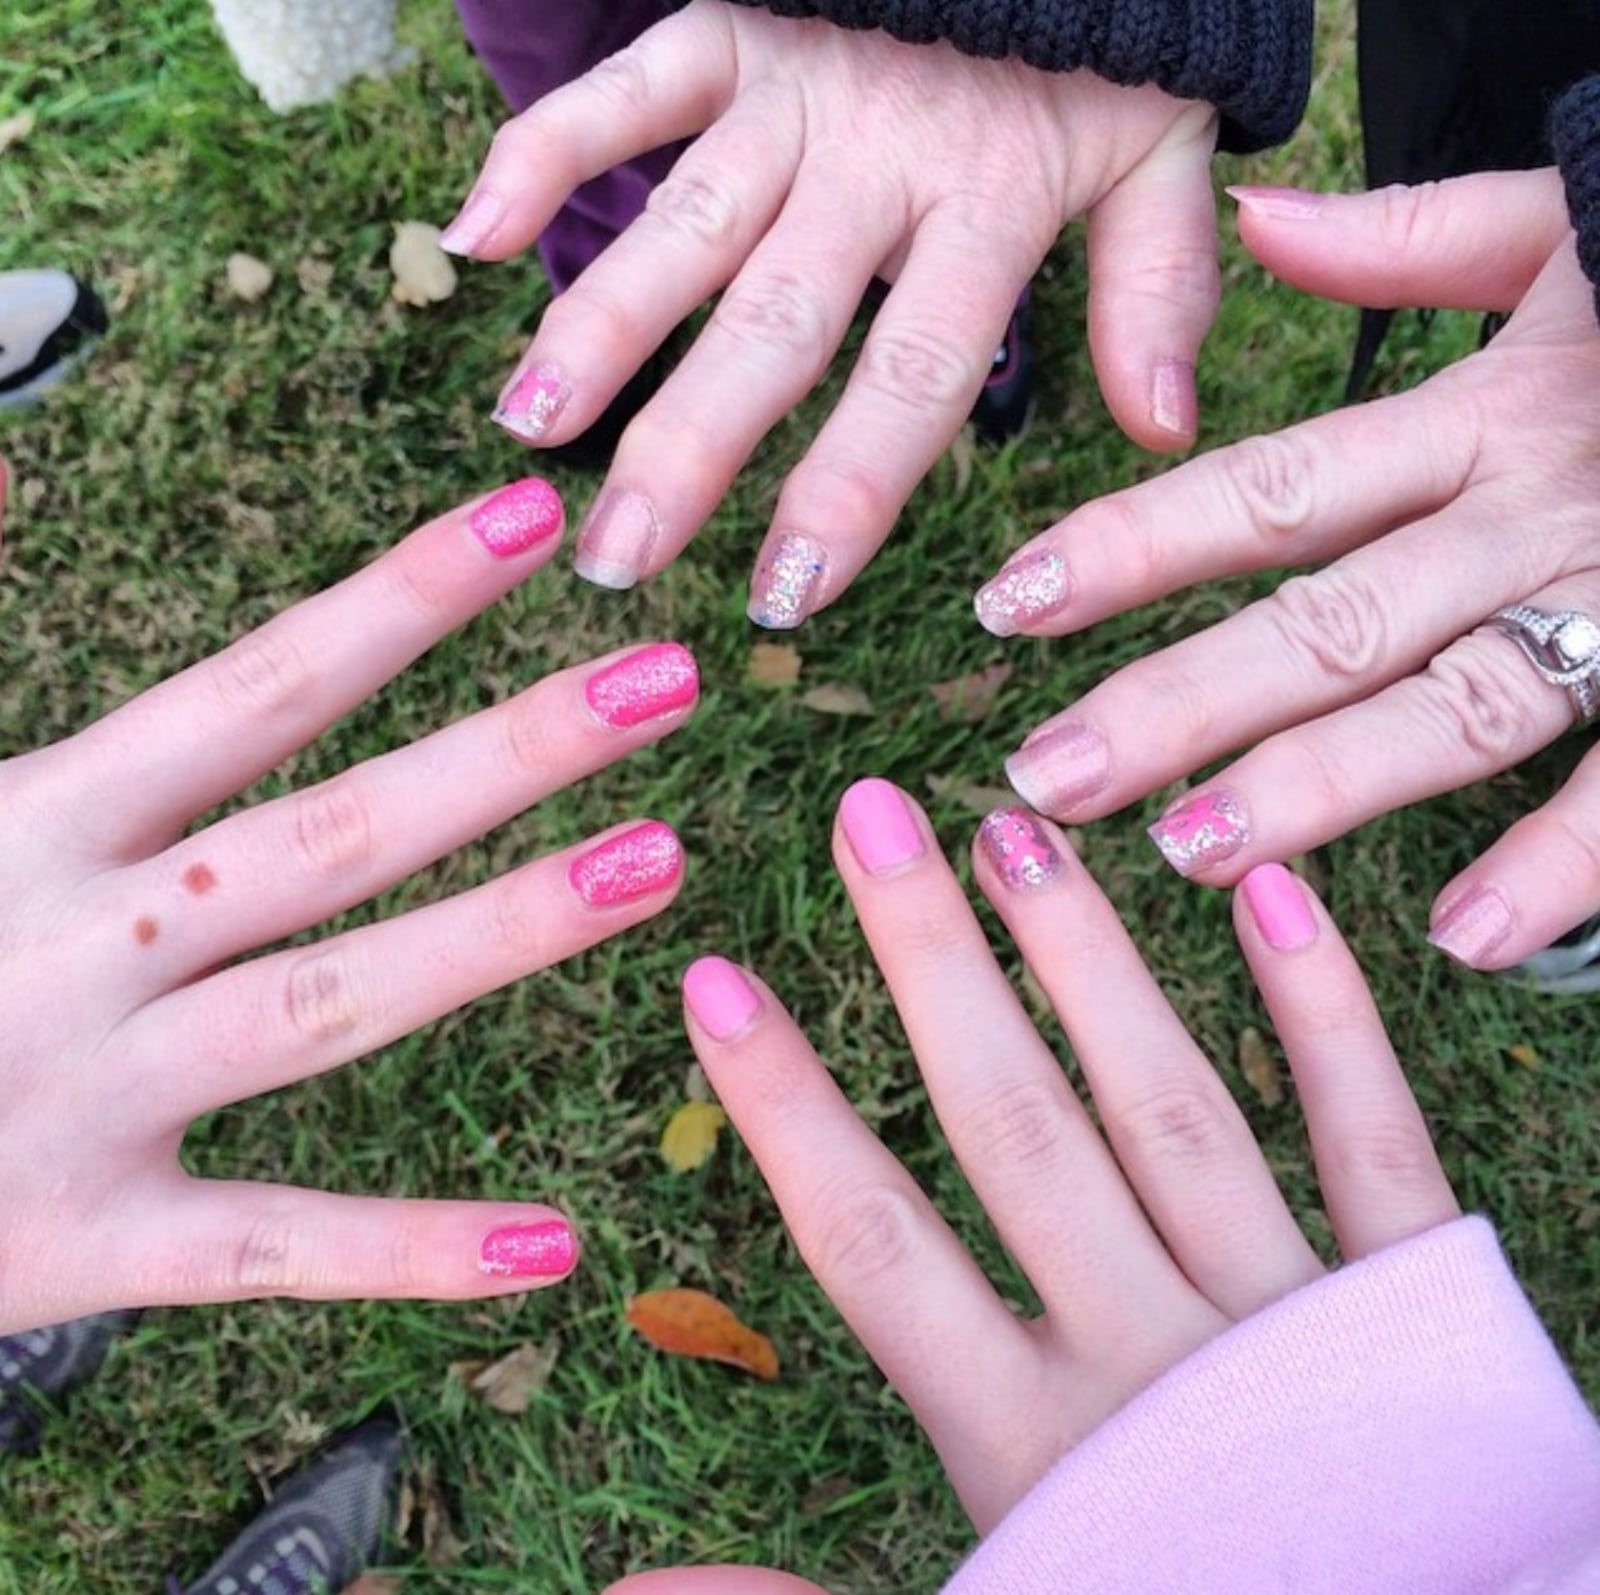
(1563, 645)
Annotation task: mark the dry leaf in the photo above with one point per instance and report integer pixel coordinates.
(509, 1384)
(963, 454)
(970, 698)
(691, 1136)
(13, 129)
(375, 1584)
(441, 1546)
(314, 276)
(774, 664)
(423, 273)
(975, 799)
(249, 279)
(838, 699)
(696, 1088)
(1522, 1053)
(1260, 1068)
(689, 1323)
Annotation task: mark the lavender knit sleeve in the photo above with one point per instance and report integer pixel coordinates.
(1249, 58)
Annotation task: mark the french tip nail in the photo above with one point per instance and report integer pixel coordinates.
(615, 578)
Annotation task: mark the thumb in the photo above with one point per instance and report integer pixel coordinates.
(715, 1581)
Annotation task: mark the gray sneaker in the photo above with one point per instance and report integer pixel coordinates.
(1571, 965)
(46, 1363)
(48, 320)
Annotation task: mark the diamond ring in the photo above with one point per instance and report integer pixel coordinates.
(1562, 645)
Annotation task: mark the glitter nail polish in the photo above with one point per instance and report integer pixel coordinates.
(1061, 768)
(534, 402)
(1173, 406)
(1030, 588)
(788, 582)
(529, 1251)
(1202, 830)
(1473, 927)
(1019, 849)
(655, 681)
(616, 540)
(623, 868)
(518, 517)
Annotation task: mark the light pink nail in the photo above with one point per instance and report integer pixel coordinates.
(1474, 927)
(1280, 204)
(1030, 588)
(534, 401)
(879, 825)
(529, 1251)
(649, 858)
(1278, 904)
(616, 540)
(1202, 830)
(518, 517)
(1019, 849)
(655, 681)
(1173, 405)
(788, 582)
(474, 223)
(722, 1000)
(1061, 768)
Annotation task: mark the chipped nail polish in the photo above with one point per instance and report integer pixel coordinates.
(534, 402)
(474, 223)
(529, 1251)
(720, 996)
(1474, 927)
(1019, 849)
(1173, 406)
(518, 517)
(655, 681)
(1202, 830)
(788, 582)
(1063, 767)
(616, 540)
(1028, 589)
(1280, 908)
(624, 868)
(880, 826)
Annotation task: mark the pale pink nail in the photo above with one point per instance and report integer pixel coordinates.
(529, 1251)
(655, 681)
(1173, 405)
(1061, 768)
(518, 517)
(1474, 927)
(649, 858)
(616, 540)
(1031, 588)
(1280, 204)
(1202, 830)
(534, 401)
(788, 582)
(722, 1000)
(474, 223)
(1019, 849)
(1278, 904)
(879, 825)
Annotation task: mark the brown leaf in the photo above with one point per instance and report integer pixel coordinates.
(248, 279)
(689, 1323)
(375, 1584)
(838, 698)
(963, 455)
(975, 799)
(315, 276)
(441, 1547)
(691, 1135)
(13, 129)
(970, 698)
(510, 1383)
(1260, 1068)
(423, 273)
(774, 664)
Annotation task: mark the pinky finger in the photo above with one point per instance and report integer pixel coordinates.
(715, 1581)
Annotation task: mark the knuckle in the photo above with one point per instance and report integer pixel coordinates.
(1020, 1127)
(516, 920)
(869, 1236)
(1480, 699)
(529, 740)
(777, 312)
(1334, 618)
(1139, 544)
(1395, 1157)
(917, 367)
(1187, 279)
(1577, 846)
(333, 829)
(1272, 478)
(1181, 1123)
(703, 211)
(1405, 216)
(263, 674)
(585, 317)
(267, 1262)
(856, 495)
(319, 999)
(622, 79)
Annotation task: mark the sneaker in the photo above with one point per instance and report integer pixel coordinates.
(1005, 408)
(1571, 965)
(322, 1529)
(48, 1363)
(48, 320)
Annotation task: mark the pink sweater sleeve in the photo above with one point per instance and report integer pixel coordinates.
(1404, 1426)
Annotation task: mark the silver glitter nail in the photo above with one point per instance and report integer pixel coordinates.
(788, 582)
(1019, 849)
(1203, 830)
(1028, 589)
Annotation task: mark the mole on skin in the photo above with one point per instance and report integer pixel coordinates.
(198, 879)
(145, 931)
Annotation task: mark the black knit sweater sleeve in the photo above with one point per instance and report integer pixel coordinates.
(1575, 137)
(1249, 58)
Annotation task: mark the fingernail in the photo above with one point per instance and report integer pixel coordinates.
(788, 582)
(534, 401)
(474, 223)
(529, 1251)
(1173, 405)
(518, 517)
(1278, 904)
(878, 823)
(1027, 589)
(1473, 927)
(655, 681)
(616, 540)
(1019, 849)
(1202, 830)
(624, 868)
(722, 1000)
(1280, 204)
(1064, 767)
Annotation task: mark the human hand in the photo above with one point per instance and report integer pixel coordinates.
(1366, 685)
(1143, 1245)
(125, 1017)
(826, 157)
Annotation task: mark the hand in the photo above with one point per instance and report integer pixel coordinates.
(125, 1017)
(826, 157)
(1367, 684)
(1142, 1246)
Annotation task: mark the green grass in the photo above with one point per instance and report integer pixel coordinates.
(215, 462)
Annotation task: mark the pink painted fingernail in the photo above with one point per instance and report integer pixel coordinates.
(1019, 849)
(534, 401)
(722, 1000)
(529, 1251)
(1065, 766)
(879, 825)
(649, 858)
(616, 540)
(788, 582)
(518, 518)
(655, 681)
(1279, 204)
(1202, 830)
(1030, 588)
(1173, 405)
(1278, 904)
(474, 223)
(1474, 927)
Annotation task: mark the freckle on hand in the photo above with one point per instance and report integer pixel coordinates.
(145, 931)
(198, 879)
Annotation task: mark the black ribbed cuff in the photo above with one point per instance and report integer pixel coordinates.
(1575, 138)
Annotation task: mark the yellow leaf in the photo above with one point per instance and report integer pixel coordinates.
(689, 1323)
(1524, 1054)
(1260, 1068)
(838, 699)
(774, 664)
(691, 1137)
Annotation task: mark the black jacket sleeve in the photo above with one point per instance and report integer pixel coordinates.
(1575, 138)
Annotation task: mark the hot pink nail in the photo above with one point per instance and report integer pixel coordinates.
(656, 681)
(534, 402)
(1032, 587)
(474, 223)
(1474, 927)
(1061, 768)
(529, 1251)
(1173, 405)
(518, 517)
(879, 825)
(1278, 904)
(720, 997)
(1280, 204)
(1019, 849)
(649, 858)
(1202, 830)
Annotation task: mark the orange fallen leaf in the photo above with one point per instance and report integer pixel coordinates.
(689, 1323)
(970, 698)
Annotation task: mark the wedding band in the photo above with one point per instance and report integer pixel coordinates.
(1562, 645)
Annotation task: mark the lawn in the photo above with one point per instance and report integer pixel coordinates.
(216, 461)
